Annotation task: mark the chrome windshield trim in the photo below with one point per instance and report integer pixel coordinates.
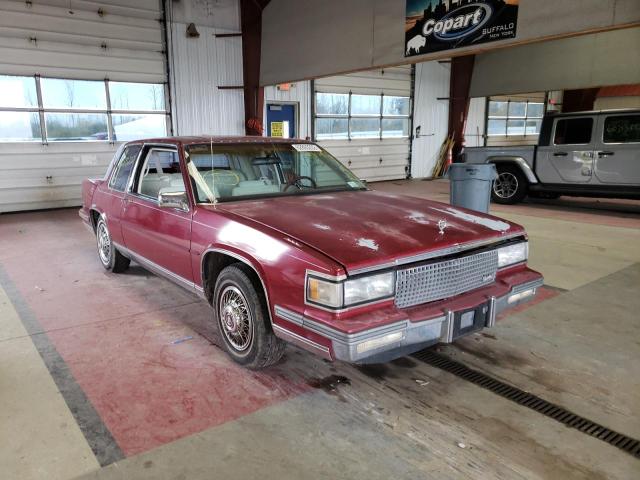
(434, 254)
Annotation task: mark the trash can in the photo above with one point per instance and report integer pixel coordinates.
(471, 185)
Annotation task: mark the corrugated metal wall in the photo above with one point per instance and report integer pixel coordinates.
(371, 159)
(430, 114)
(122, 42)
(199, 66)
(300, 94)
(474, 130)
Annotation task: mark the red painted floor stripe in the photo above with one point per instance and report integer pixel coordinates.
(116, 334)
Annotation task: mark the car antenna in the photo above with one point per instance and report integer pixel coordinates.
(213, 172)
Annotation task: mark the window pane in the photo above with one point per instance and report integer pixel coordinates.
(497, 127)
(535, 110)
(365, 104)
(533, 127)
(623, 129)
(515, 127)
(19, 126)
(18, 91)
(59, 93)
(135, 127)
(365, 127)
(332, 103)
(498, 109)
(136, 96)
(330, 128)
(160, 173)
(123, 170)
(517, 109)
(76, 126)
(395, 127)
(395, 105)
(574, 131)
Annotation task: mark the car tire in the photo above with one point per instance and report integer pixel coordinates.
(510, 186)
(108, 254)
(241, 314)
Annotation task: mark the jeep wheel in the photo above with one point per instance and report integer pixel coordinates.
(510, 186)
(109, 255)
(241, 313)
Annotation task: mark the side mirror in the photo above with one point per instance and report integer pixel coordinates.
(173, 200)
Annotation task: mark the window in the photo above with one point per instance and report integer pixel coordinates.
(55, 109)
(573, 131)
(160, 172)
(355, 116)
(622, 129)
(227, 172)
(122, 171)
(514, 117)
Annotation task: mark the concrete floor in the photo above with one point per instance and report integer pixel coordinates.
(118, 376)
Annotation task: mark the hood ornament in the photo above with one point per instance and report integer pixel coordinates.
(442, 224)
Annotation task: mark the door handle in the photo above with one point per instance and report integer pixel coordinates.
(605, 154)
(560, 154)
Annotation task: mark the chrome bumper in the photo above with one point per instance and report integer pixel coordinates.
(401, 336)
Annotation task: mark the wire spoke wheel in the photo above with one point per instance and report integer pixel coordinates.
(506, 185)
(236, 321)
(104, 244)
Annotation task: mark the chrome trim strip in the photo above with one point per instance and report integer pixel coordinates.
(288, 315)
(351, 338)
(157, 269)
(447, 336)
(301, 342)
(243, 260)
(436, 253)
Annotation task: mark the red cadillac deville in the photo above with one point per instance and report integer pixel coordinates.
(287, 245)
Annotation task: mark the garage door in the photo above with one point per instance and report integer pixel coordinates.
(75, 79)
(364, 119)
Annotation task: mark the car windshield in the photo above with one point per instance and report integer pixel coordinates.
(240, 171)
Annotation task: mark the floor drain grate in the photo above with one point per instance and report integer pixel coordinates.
(526, 399)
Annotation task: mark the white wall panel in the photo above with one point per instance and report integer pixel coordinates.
(24, 168)
(122, 43)
(371, 159)
(474, 130)
(199, 66)
(300, 94)
(431, 114)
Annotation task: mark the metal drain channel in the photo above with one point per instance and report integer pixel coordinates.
(526, 399)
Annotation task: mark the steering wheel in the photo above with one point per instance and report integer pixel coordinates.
(296, 181)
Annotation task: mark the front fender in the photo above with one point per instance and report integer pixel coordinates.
(520, 162)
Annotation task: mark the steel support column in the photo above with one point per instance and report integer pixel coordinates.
(251, 23)
(459, 85)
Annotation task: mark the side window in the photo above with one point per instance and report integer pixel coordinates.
(573, 131)
(160, 172)
(622, 129)
(122, 172)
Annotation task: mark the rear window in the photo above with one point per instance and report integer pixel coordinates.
(622, 129)
(573, 131)
(123, 169)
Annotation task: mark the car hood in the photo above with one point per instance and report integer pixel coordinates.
(366, 228)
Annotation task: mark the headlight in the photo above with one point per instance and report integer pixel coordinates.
(350, 292)
(511, 254)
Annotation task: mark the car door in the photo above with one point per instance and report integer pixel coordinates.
(568, 158)
(617, 156)
(161, 236)
(113, 195)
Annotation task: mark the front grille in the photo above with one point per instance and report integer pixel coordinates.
(438, 280)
